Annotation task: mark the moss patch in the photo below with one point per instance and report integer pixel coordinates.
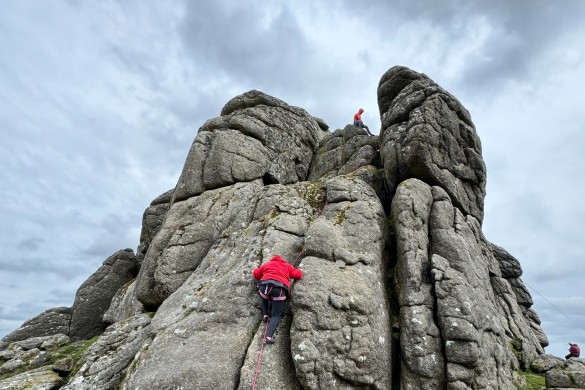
(315, 195)
(533, 381)
(340, 217)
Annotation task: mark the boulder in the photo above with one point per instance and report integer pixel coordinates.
(93, 298)
(51, 322)
(257, 136)
(43, 378)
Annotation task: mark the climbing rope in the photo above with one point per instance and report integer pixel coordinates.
(260, 356)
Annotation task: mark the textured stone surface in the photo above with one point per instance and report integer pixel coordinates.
(343, 152)
(93, 298)
(340, 332)
(51, 322)
(429, 135)
(256, 136)
(445, 271)
(215, 311)
(124, 304)
(545, 362)
(38, 379)
(188, 233)
(152, 220)
(105, 362)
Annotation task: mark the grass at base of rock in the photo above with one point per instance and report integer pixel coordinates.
(534, 381)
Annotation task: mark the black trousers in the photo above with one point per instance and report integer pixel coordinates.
(275, 297)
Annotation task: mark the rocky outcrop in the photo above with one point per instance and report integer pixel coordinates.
(105, 363)
(256, 136)
(400, 286)
(94, 296)
(43, 378)
(428, 134)
(51, 322)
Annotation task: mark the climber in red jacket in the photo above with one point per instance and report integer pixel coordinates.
(357, 121)
(574, 350)
(274, 277)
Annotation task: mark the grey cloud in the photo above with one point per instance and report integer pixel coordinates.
(259, 43)
(31, 244)
(22, 265)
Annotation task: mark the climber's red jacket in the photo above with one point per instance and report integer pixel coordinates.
(357, 116)
(277, 269)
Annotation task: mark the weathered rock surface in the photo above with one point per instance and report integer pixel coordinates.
(342, 152)
(445, 272)
(124, 304)
(94, 296)
(400, 286)
(38, 379)
(51, 322)
(152, 220)
(106, 361)
(429, 135)
(256, 136)
(340, 335)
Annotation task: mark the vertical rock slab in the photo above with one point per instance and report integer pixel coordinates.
(124, 304)
(205, 328)
(340, 334)
(94, 296)
(422, 356)
(427, 134)
(461, 323)
(189, 231)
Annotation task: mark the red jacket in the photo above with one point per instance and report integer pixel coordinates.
(358, 116)
(277, 269)
(574, 350)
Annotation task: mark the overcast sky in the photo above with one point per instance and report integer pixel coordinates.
(100, 101)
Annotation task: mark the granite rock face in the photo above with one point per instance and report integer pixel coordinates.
(426, 133)
(400, 286)
(94, 296)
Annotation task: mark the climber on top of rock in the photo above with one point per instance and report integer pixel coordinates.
(274, 277)
(357, 121)
(574, 350)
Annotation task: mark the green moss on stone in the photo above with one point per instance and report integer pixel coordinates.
(533, 381)
(315, 195)
(340, 217)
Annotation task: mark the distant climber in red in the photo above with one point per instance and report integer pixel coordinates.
(274, 277)
(357, 121)
(574, 350)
